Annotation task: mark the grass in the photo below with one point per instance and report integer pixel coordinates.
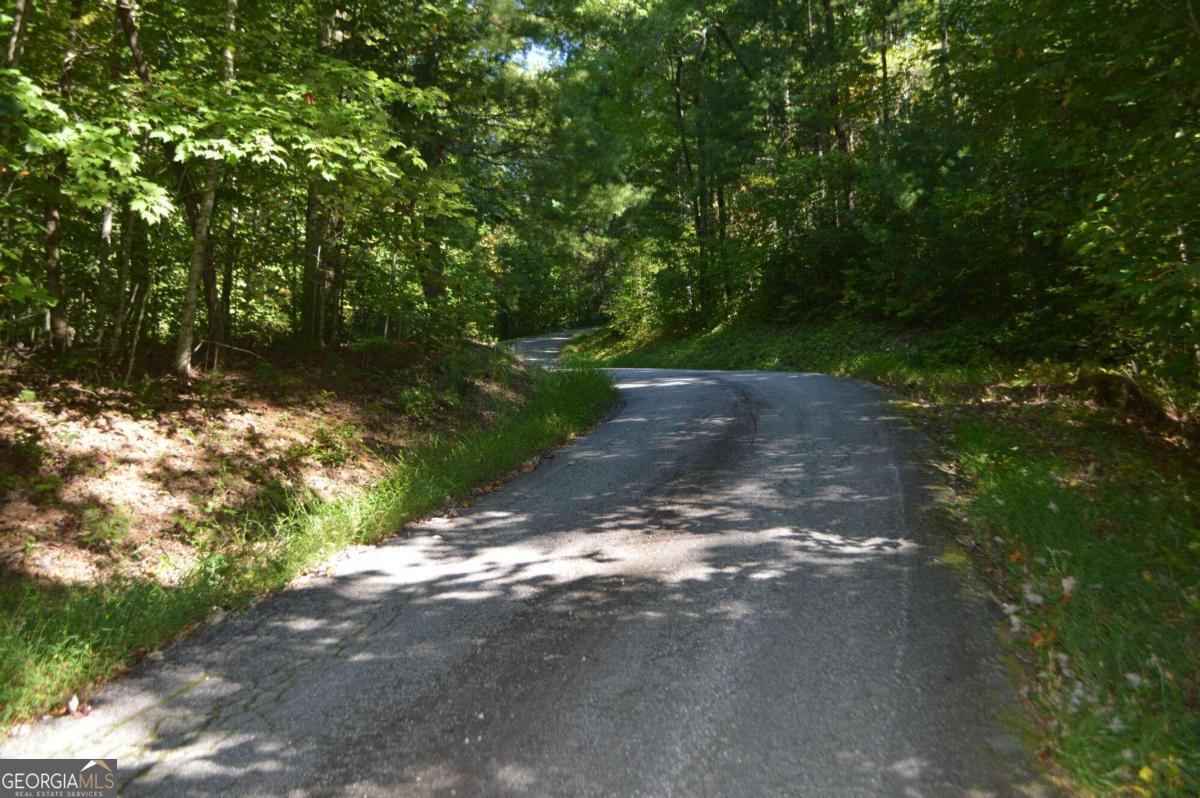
(56, 640)
(1085, 524)
(935, 367)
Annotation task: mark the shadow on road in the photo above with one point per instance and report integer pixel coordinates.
(712, 602)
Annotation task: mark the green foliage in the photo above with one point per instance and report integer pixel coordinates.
(335, 444)
(1022, 169)
(356, 160)
(103, 527)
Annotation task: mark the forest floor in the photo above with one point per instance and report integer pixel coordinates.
(131, 513)
(1084, 516)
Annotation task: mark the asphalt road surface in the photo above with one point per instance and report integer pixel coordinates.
(544, 349)
(727, 588)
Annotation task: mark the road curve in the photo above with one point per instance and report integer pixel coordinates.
(725, 589)
(544, 349)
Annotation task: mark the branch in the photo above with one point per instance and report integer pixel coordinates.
(733, 50)
(687, 158)
(1190, 20)
(228, 346)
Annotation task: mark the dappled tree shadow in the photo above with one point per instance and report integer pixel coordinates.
(728, 594)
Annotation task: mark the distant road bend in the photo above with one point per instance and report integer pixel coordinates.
(725, 589)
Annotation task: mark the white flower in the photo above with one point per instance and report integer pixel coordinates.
(1135, 681)
(1068, 585)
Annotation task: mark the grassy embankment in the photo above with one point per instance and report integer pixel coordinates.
(58, 638)
(1084, 520)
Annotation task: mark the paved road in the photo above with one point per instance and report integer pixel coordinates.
(725, 589)
(544, 349)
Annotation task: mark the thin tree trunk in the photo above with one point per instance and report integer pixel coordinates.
(387, 319)
(137, 333)
(103, 285)
(683, 141)
(310, 274)
(944, 27)
(335, 316)
(212, 297)
(331, 278)
(230, 261)
(722, 213)
(182, 364)
(883, 62)
(212, 306)
(60, 333)
(124, 259)
(22, 13)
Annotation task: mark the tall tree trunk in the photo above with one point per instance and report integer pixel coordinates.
(22, 14)
(60, 333)
(944, 27)
(683, 139)
(338, 284)
(722, 213)
(103, 283)
(310, 274)
(182, 362)
(116, 341)
(331, 280)
(883, 63)
(387, 319)
(212, 308)
(212, 298)
(137, 332)
(230, 261)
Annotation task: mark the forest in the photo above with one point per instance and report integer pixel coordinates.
(189, 178)
(342, 206)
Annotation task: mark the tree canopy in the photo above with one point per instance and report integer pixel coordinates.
(191, 175)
